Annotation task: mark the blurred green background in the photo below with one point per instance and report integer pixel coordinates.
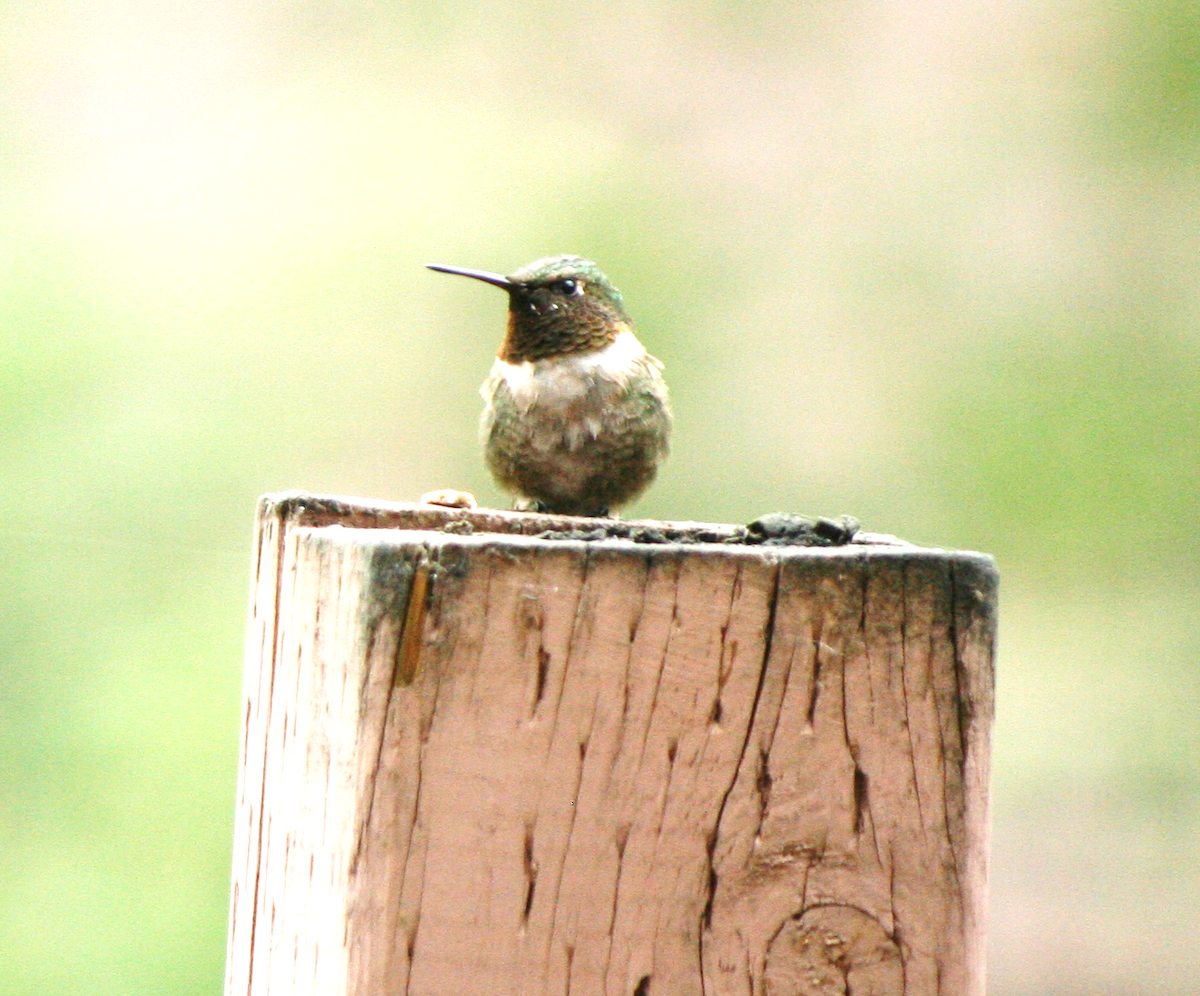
(930, 263)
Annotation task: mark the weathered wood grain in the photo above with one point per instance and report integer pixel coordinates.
(493, 763)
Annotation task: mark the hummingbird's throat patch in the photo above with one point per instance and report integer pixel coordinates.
(563, 331)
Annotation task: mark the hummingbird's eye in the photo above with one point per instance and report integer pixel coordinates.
(570, 287)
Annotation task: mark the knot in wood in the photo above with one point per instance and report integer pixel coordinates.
(833, 951)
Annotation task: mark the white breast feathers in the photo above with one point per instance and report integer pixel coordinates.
(565, 380)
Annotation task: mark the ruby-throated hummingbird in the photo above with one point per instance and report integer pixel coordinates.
(575, 417)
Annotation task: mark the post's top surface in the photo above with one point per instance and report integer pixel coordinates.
(301, 508)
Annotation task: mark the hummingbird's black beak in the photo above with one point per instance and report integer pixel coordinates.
(497, 279)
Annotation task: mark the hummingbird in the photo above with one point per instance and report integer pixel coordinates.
(576, 417)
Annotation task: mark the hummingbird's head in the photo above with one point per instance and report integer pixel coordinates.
(556, 306)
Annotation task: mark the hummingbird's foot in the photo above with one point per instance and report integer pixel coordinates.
(450, 498)
(545, 508)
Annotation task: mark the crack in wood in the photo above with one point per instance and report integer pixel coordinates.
(815, 692)
(543, 668)
(764, 664)
(905, 677)
(531, 874)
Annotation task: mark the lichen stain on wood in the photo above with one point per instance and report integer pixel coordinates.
(398, 594)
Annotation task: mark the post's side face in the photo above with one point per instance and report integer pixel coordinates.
(852, 850)
(494, 764)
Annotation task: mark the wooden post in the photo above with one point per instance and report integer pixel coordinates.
(478, 761)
